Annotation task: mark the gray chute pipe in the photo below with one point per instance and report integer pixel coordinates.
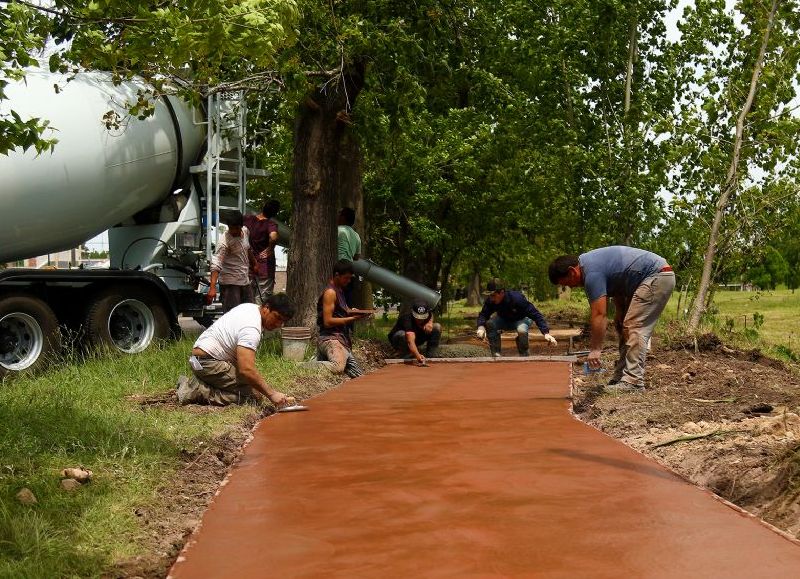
(378, 275)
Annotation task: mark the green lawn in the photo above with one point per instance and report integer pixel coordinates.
(80, 414)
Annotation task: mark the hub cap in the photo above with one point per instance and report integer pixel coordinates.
(21, 341)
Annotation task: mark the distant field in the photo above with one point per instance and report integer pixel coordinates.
(780, 308)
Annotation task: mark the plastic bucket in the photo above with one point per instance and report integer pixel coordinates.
(295, 342)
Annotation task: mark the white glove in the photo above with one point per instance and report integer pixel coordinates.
(550, 340)
(481, 333)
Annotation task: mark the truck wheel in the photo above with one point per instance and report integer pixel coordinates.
(29, 334)
(127, 319)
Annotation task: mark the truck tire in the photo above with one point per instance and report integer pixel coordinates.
(29, 334)
(126, 319)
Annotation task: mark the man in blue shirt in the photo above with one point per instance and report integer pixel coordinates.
(514, 312)
(640, 282)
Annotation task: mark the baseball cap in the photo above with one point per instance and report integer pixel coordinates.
(420, 310)
(494, 285)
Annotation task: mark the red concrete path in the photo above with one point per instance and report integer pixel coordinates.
(465, 470)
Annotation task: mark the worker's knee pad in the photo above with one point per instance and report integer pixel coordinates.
(522, 329)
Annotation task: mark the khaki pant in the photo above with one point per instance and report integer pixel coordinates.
(639, 319)
(333, 354)
(218, 384)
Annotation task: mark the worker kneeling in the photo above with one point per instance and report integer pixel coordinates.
(223, 358)
(335, 320)
(514, 312)
(415, 328)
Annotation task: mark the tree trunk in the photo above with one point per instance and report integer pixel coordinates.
(322, 153)
(731, 181)
(474, 289)
(351, 194)
(444, 283)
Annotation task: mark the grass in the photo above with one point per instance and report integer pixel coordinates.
(768, 319)
(80, 414)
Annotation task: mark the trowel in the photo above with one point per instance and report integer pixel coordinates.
(293, 408)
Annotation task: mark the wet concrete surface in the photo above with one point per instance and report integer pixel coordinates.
(465, 470)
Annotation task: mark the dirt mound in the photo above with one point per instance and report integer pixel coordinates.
(727, 420)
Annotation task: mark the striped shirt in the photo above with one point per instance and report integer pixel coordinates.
(231, 259)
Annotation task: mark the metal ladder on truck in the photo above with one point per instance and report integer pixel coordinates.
(225, 167)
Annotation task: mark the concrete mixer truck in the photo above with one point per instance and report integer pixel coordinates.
(157, 185)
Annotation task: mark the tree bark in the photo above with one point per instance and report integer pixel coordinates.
(351, 194)
(323, 149)
(731, 181)
(474, 289)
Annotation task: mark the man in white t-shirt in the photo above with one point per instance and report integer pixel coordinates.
(223, 358)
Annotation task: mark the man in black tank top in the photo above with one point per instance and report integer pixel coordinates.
(335, 321)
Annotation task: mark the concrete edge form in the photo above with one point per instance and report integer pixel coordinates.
(569, 359)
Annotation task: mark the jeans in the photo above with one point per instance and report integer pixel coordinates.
(495, 327)
(639, 318)
(233, 295)
(398, 340)
(262, 288)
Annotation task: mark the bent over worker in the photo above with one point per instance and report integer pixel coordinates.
(415, 328)
(640, 282)
(514, 312)
(223, 358)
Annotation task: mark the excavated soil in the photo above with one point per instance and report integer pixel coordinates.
(165, 526)
(725, 419)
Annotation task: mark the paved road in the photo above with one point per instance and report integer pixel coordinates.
(465, 470)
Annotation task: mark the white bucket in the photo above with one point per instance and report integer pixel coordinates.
(295, 343)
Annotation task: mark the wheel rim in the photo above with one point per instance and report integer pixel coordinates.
(21, 341)
(131, 326)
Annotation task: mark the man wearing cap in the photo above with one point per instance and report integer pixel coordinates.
(640, 283)
(415, 328)
(514, 312)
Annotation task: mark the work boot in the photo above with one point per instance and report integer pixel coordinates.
(186, 393)
(525, 353)
(623, 387)
(496, 355)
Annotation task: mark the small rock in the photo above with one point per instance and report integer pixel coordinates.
(80, 474)
(663, 366)
(26, 497)
(70, 484)
(759, 409)
(690, 428)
